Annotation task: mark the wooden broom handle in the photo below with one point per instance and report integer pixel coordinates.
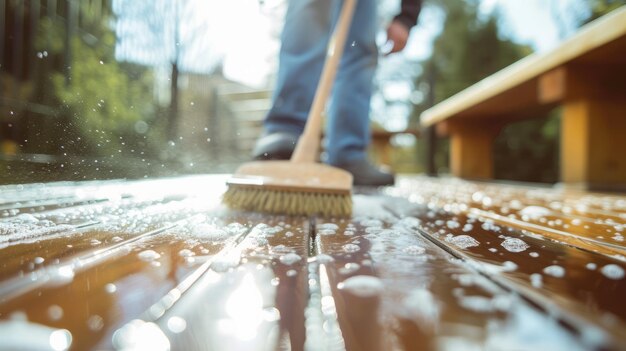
(309, 142)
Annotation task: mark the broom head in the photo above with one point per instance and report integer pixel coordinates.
(291, 188)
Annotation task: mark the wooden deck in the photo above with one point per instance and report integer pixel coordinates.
(430, 264)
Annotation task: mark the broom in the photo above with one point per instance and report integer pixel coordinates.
(300, 186)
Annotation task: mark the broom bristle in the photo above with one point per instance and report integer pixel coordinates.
(287, 202)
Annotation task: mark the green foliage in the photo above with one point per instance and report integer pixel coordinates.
(102, 99)
(600, 8)
(469, 49)
(529, 150)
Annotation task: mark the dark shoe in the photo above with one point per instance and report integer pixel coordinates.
(275, 146)
(366, 174)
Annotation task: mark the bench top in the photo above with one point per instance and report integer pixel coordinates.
(426, 264)
(515, 87)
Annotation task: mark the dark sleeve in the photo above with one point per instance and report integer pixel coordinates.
(410, 11)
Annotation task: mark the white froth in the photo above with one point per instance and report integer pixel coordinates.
(362, 286)
(534, 212)
(290, 258)
(414, 250)
(555, 271)
(148, 255)
(463, 241)
(351, 248)
(612, 271)
(514, 245)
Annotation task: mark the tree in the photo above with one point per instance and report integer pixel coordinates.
(468, 49)
(101, 99)
(165, 33)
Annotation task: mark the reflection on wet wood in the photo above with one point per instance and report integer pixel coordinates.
(430, 264)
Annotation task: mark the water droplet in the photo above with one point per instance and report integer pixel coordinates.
(290, 258)
(536, 280)
(148, 255)
(508, 266)
(55, 312)
(324, 258)
(362, 286)
(61, 275)
(95, 323)
(453, 224)
(60, 339)
(110, 288)
(326, 232)
(291, 273)
(349, 268)
(351, 248)
(185, 253)
(281, 250)
(612, 271)
(555, 271)
(176, 324)
(591, 266)
(534, 212)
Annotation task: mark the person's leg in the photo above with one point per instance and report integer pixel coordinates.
(348, 125)
(303, 47)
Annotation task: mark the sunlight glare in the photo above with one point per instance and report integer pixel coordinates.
(244, 307)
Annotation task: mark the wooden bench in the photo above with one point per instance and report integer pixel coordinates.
(428, 264)
(586, 75)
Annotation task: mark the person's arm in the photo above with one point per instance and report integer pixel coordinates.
(410, 10)
(398, 30)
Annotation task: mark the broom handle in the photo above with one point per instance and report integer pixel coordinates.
(309, 142)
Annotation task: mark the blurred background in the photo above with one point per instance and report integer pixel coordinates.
(99, 89)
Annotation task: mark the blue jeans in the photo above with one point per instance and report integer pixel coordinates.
(305, 36)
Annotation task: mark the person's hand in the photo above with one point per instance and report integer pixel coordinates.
(398, 34)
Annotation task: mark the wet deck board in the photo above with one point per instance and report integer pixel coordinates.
(431, 264)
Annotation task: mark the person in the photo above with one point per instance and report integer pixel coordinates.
(304, 39)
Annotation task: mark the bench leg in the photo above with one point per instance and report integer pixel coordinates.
(471, 154)
(593, 144)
